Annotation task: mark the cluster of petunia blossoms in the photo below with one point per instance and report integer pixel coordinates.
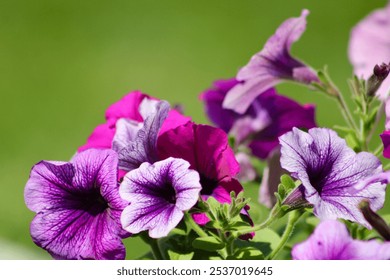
(185, 188)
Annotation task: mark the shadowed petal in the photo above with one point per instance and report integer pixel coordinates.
(144, 147)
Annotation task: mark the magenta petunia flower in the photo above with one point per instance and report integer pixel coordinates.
(207, 150)
(369, 45)
(269, 116)
(128, 108)
(271, 66)
(331, 241)
(330, 172)
(158, 194)
(78, 206)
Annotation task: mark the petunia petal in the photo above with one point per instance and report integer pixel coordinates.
(331, 241)
(370, 45)
(158, 194)
(271, 66)
(143, 149)
(329, 171)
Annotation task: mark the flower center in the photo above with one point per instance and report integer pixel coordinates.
(92, 202)
(169, 193)
(208, 185)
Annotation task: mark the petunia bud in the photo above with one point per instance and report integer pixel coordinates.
(375, 220)
(375, 81)
(296, 199)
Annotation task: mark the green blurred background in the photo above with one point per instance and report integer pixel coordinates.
(63, 62)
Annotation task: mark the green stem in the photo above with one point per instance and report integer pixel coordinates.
(194, 226)
(292, 219)
(275, 214)
(153, 245)
(378, 150)
(345, 110)
(378, 118)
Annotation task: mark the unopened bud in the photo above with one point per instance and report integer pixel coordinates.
(380, 74)
(375, 220)
(296, 199)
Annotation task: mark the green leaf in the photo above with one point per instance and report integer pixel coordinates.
(213, 206)
(352, 141)
(237, 225)
(266, 240)
(178, 244)
(176, 256)
(343, 129)
(213, 225)
(282, 192)
(208, 243)
(287, 182)
(247, 253)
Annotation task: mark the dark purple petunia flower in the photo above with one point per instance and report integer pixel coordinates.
(270, 66)
(207, 150)
(158, 195)
(78, 206)
(331, 241)
(269, 116)
(330, 172)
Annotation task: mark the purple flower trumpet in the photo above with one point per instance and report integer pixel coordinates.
(335, 179)
(158, 194)
(78, 206)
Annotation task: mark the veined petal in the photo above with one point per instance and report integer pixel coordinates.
(144, 147)
(271, 66)
(329, 171)
(78, 206)
(158, 194)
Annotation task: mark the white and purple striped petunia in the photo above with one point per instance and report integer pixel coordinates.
(331, 241)
(77, 206)
(271, 66)
(332, 173)
(158, 194)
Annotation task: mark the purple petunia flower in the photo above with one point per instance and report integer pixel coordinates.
(207, 150)
(331, 241)
(271, 66)
(158, 195)
(369, 45)
(78, 206)
(330, 172)
(269, 116)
